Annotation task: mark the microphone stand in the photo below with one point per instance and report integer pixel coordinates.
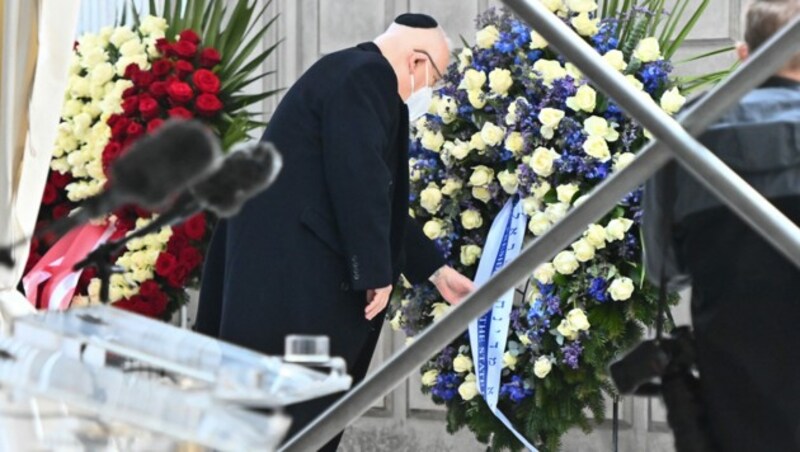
(100, 258)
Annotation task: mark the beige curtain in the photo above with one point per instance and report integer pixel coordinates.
(36, 42)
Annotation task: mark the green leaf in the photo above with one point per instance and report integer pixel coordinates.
(212, 32)
(242, 101)
(152, 9)
(234, 33)
(233, 66)
(255, 20)
(707, 54)
(676, 43)
(135, 14)
(255, 62)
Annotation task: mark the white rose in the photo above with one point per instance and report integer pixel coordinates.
(101, 74)
(451, 186)
(132, 48)
(447, 109)
(577, 320)
(459, 150)
(464, 59)
(596, 236)
(431, 198)
(549, 70)
(622, 161)
(556, 212)
(597, 147)
(634, 82)
(433, 229)
(482, 194)
(486, 37)
(470, 254)
(433, 107)
(672, 101)
(566, 330)
(574, 72)
(596, 126)
(509, 361)
(647, 50)
(537, 41)
(481, 176)
(164, 235)
(439, 310)
(585, 25)
(539, 224)
(621, 289)
(616, 59)
(491, 134)
(79, 86)
(71, 108)
(545, 273)
(476, 98)
(515, 142)
(551, 117)
(500, 81)
(471, 219)
(616, 229)
(566, 263)
(566, 192)
(93, 57)
(152, 24)
(81, 124)
(509, 181)
(473, 80)
(476, 142)
(531, 205)
(541, 190)
(432, 141)
(542, 366)
(429, 378)
(582, 6)
(462, 363)
(542, 161)
(584, 251)
(585, 99)
(468, 390)
(121, 35)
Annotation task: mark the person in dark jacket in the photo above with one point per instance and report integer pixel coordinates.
(318, 252)
(745, 293)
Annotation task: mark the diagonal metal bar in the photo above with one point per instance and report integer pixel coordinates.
(763, 64)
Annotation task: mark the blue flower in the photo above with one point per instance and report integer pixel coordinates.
(572, 353)
(516, 389)
(597, 289)
(446, 386)
(655, 75)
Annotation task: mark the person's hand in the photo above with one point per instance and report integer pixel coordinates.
(452, 285)
(377, 299)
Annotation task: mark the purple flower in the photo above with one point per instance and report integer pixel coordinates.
(572, 353)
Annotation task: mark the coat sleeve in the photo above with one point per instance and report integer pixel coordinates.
(209, 307)
(422, 256)
(357, 120)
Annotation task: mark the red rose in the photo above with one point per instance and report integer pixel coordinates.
(208, 105)
(149, 107)
(149, 288)
(135, 130)
(183, 68)
(119, 127)
(113, 119)
(132, 91)
(190, 257)
(61, 211)
(209, 58)
(178, 277)
(206, 81)
(180, 92)
(111, 152)
(195, 227)
(180, 112)
(154, 124)
(158, 89)
(131, 70)
(189, 35)
(166, 264)
(177, 243)
(130, 105)
(143, 79)
(50, 194)
(164, 47)
(161, 67)
(185, 49)
(60, 180)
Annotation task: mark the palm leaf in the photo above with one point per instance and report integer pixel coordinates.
(134, 14)
(676, 43)
(255, 62)
(235, 28)
(152, 9)
(707, 54)
(240, 58)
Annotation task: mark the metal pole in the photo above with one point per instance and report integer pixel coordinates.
(762, 65)
(707, 168)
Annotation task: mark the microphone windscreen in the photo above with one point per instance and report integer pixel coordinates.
(244, 173)
(158, 165)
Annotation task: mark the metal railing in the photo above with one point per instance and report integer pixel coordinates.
(674, 139)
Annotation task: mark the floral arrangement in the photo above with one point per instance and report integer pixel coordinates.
(517, 121)
(125, 81)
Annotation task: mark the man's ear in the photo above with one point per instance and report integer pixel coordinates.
(743, 51)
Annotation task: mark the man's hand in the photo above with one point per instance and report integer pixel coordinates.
(377, 299)
(452, 285)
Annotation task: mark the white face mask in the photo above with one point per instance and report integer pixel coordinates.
(419, 101)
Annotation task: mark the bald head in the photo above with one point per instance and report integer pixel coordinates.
(416, 47)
